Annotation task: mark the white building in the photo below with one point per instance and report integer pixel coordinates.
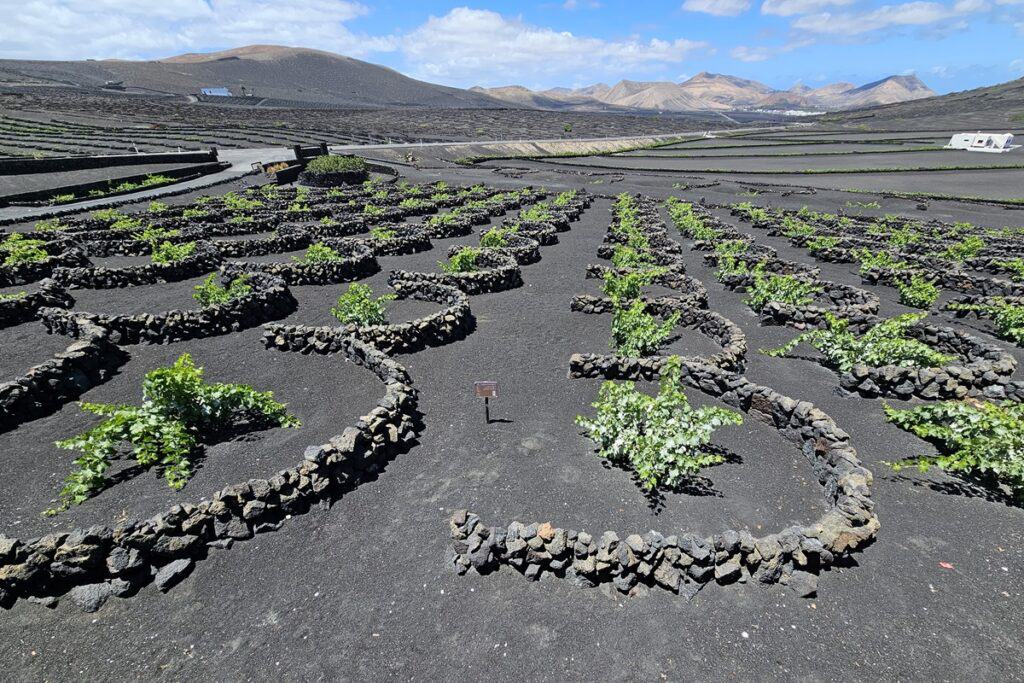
(983, 142)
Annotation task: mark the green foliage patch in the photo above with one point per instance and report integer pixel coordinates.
(179, 411)
(357, 306)
(885, 343)
(973, 437)
(210, 292)
(662, 438)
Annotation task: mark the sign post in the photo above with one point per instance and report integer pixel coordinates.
(486, 391)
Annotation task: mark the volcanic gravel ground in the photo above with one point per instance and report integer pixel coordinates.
(120, 261)
(27, 345)
(768, 150)
(365, 590)
(327, 394)
(777, 164)
(244, 238)
(154, 299)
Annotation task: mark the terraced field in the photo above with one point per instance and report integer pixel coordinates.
(401, 531)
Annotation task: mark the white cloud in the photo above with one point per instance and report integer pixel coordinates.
(468, 46)
(79, 29)
(1017, 66)
(719, 8)
(787, 8)
(910, 14)
(750, 54)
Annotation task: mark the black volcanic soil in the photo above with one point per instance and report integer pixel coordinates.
(37, 467)
(27, 345)
(153, 299)
(364, 590)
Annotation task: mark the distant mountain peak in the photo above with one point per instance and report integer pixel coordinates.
(252, 52)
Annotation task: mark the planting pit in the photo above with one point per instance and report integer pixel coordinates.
(38, 468)
(152, 299)
(25, 346)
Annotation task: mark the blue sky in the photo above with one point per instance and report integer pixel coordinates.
(950, 44)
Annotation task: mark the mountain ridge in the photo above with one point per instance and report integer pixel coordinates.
(721, 92)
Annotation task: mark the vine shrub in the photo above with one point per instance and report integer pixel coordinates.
(1007, 317)
(152, 233)
(628, 286)
(794, 227)
(462, 261)
(318, 253)
(331, 163)
(539, 213)
(1015, 267)
(967, 248)
(871, 260)
(662, 438)
(819, 244)
(356, 306)
(688, 222)
(885, 343)
(625, 256)
(785, 289)
(168, 252)
(975, 437)
(496, 238)
(179, 411)
(917, 291)
(382, 234)
(210, 292)
(19, 249)
(636, 333)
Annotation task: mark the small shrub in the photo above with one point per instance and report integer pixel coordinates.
(168, 252)
(318, 253)
(974, 437)
(785, 289)
(413, 204)
(965, 249)
(235, 202)
(179, 411)
(210, 292)
(194, 212)
(539, 213)
(19, 249)
(157, 207)
(662, 438)
(794, 227)
(153, 233)
(822, 243)
(51, 225)
(108, 215)
(382, 234)
(636, 333)
(880, 260)
(886, 343)
(462, 261)
(12, 296)
(496, 237)
(688, 222)
(564, 198)
(628, 286)
(1008, 318)
(918, 291)
(358, 307)
(627, 257)
(1015, 266)
(332, 163)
